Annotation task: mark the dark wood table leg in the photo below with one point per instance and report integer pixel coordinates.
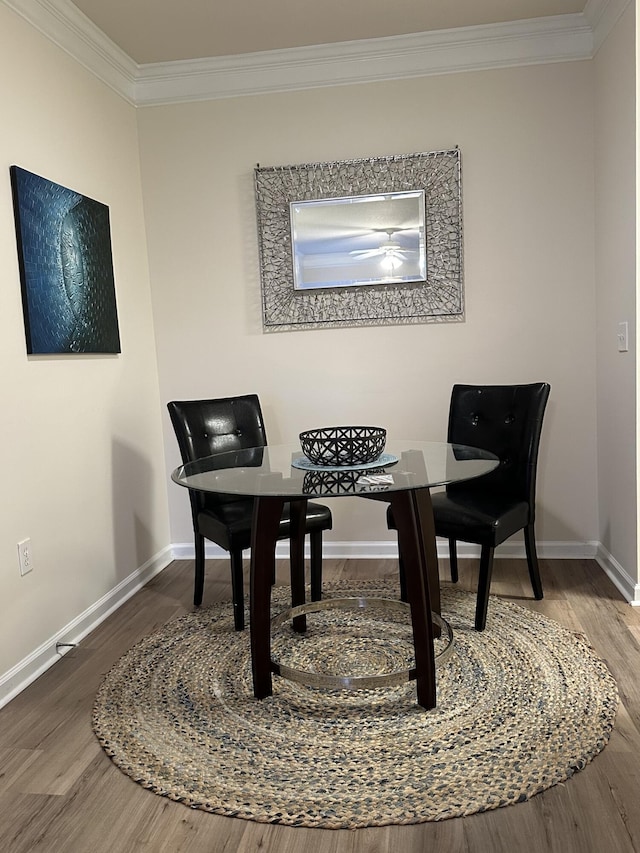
(428, 529)
(410, 511)
(266, 523)
(298, 515)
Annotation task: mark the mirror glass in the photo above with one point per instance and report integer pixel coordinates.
(358, 240)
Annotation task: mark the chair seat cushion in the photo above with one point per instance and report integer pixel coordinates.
(230, 523)
(318, 516)
(481, 519)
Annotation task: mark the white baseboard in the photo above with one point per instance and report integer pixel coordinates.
(388, 550)
(619, 576)
(52, 650)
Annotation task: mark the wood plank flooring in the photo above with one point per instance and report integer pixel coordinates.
(59, 792)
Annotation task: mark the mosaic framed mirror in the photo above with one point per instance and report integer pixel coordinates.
(361, 242)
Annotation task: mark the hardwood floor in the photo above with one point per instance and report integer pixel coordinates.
(59, 792)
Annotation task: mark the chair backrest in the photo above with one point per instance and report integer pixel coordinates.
(506, 420)
(208, 427)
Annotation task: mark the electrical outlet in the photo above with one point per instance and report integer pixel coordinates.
(25, 557)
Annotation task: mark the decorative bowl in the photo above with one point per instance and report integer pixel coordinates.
(345, 445)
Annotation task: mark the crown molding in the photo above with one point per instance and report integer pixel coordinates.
(554, 39)
(559, 38)
(68, 28)
(602, 16)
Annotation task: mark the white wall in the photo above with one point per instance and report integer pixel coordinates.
(526, 136)
(81, 450)
(615, 123)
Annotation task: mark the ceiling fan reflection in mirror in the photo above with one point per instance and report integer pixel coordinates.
(391, 253)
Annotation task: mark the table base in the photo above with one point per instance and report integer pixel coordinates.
(413, 516)
(346, 682)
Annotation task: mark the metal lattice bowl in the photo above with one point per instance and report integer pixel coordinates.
(345, 445)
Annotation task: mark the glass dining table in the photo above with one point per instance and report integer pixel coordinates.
(402, 477)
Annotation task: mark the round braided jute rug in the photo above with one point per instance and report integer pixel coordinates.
(521, 707)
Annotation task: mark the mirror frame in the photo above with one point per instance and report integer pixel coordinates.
(437, 299)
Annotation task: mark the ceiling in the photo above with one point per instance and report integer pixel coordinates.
(151, 31)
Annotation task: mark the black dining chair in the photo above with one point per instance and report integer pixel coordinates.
(507, 421)
(209, 427)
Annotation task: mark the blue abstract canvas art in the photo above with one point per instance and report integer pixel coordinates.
(66, 268)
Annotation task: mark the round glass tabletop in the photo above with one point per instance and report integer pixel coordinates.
(282, 471)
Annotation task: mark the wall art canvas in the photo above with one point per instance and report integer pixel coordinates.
(66, 268)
